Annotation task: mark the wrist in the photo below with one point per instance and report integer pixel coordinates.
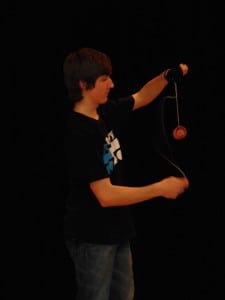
(174, 74)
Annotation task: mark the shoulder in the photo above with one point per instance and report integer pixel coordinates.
(80, 126)
(116, 104)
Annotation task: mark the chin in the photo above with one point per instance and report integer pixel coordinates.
(104, 100)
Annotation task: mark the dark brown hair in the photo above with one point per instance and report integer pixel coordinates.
(85, 64)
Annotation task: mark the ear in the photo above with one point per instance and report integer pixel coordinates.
(82, 84)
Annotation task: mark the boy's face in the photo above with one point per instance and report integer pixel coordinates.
(101, 90)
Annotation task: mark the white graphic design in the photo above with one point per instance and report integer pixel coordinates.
(112, 152)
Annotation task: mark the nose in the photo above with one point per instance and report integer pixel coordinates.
(111, 83)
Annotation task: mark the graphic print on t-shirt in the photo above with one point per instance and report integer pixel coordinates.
(112, 152)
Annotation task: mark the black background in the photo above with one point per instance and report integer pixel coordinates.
(178, 252)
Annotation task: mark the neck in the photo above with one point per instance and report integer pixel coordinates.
(87, 110)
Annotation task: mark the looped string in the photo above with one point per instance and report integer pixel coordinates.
(177, 104)
(160, 137)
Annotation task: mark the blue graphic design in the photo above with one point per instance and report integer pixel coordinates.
(108, 159)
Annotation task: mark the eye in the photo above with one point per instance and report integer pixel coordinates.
(105, 77)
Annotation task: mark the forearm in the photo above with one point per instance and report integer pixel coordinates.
(112, 195)
(150, 91)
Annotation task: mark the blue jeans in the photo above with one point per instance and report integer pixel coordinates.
(103, 272)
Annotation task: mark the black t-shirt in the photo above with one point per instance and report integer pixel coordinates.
(93, 152)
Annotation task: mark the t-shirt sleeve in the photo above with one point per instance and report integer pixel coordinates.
(117, 112)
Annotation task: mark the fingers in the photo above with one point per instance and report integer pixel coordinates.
(184, 68)
(186, 181)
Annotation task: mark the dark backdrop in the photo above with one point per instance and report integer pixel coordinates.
(178, 252)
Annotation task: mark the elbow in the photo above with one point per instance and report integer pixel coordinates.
(102, 191)
(104, 204)
(104, 200)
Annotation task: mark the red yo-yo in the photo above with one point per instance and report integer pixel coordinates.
(179, 132)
